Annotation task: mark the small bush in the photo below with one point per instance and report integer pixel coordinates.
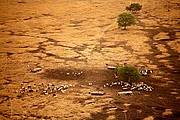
(128, 73)
(134, 7)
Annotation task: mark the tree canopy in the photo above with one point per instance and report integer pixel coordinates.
(126, 19)
(134, 7)
(128, 73)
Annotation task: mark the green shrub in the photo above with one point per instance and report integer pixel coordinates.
(134, 7)
(126, 19)
(128, 73)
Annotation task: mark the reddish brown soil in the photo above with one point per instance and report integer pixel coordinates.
(65, 37)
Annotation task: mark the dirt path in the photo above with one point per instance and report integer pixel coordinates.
(72, 41)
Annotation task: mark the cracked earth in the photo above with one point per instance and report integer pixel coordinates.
(67, 37)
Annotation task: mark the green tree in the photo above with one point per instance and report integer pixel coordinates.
(128, 73)
(134, 7)
(126, 19)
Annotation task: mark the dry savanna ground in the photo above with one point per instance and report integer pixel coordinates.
(72, 41)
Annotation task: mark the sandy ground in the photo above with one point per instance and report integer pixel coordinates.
(72, 41)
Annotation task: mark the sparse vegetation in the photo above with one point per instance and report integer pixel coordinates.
(134, 7)
(128, 73)
(126, 19)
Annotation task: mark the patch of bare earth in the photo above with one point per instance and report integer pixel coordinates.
(72, 41)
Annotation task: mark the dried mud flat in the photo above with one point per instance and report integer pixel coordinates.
(72, 41)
